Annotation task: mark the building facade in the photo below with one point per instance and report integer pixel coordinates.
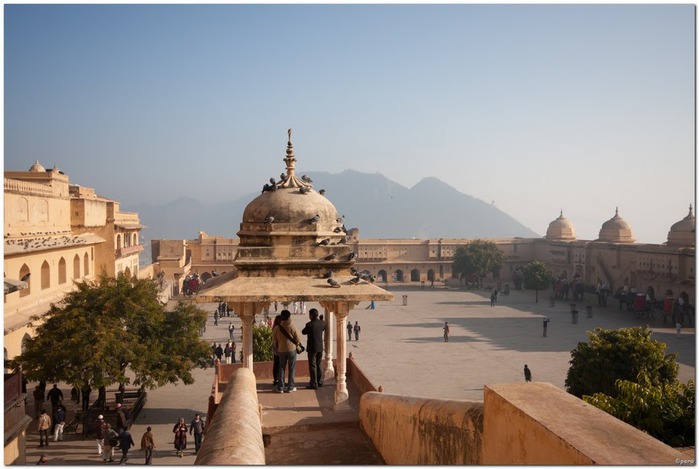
(614, 258)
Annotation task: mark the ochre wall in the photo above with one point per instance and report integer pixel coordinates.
(539, 424)
(410, 431)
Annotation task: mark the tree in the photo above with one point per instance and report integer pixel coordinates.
(665, 412)
(618, 354)
(536, 277)
(104, 328)
(478, 258)
(262, 344)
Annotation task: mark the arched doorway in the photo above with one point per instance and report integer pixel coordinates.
(430, 275)
(414, 275)
(399, 275)
(382, 276)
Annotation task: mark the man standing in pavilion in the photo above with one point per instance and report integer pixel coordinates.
(314, 330)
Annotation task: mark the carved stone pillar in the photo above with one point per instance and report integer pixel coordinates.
(247, 316)
(328, 367)
(341, 313)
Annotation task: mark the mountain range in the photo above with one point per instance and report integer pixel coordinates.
(379, 207)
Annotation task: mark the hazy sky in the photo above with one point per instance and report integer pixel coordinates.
(536, 108)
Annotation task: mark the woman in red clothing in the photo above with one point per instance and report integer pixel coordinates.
(180, 431)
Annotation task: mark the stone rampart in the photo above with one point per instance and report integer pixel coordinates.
(237, 424)
(539, 424)
(411, 431)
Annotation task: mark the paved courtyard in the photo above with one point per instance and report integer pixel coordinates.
(402, 348)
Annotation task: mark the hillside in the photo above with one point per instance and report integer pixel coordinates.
(379, 207)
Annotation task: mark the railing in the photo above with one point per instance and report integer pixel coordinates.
(14, 185)
(125, 251)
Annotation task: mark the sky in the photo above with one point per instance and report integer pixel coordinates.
(534, 108)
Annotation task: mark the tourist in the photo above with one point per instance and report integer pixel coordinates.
(233, 348)
(219, 352)
(59, 417)
(216, 318)
(125, 443)
(446, 331)
(231, 329)
(227, 353)
(349, 330)
(111, 441)
(356, 330)
(275, 363)
(100, 432)
(148, 444)
(285, 337)
(121, 419)
(180, 431)
(494, 297)
(44, 426)
(56, 397)
(314, 347)
(527, 374)
(197, 427)
(85, 391)
(75, 396)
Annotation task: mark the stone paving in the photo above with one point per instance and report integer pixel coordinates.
(401, 348)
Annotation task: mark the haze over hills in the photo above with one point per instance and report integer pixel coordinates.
(379, 207)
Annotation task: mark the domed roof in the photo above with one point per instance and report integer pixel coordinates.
(561, 229)
(37, 168)
(616, 230)
(683, 232)
(291, 200)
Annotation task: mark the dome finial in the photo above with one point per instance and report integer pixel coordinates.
(291, 180)
(691, 215)
(616, 212)
(561, 213)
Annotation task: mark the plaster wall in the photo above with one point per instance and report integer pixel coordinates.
(409, 430)
(539, 424)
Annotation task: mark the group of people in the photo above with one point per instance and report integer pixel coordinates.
(228, 352)
(109, 438)
(50, 424)
(286, 345)
(356, 328)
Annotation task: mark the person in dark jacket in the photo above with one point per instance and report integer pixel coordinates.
(314, 330)
(197, 428)
(125, 442)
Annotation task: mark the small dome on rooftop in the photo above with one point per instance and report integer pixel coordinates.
(561, 229)
(683, 232)
(37, 168)
(616, 230)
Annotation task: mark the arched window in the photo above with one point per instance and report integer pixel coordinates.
(382, 276)
(86, 265)
(62, 275)
(76, 267)
(430, 275)
(127, 272)
(134, 241)
(399, 275)
(414, 275)
(25, 276)
(118, 241)
(45, 275)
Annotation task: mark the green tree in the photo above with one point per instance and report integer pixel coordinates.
(104, 328)
(665, 411)
(478, 258)
(618, 354)
(536, 277)
(262, 344)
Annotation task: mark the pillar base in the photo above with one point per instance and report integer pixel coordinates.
(341, 401)
(329, 373)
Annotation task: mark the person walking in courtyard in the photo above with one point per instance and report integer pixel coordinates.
(125, 443)
(85, 392)
(494, 297)
(314, 347)
(100, 432)
(285, 338)
(527, 374)
(44, 426)
(197, 427)
(216, 318)
(349, 331)
(60, 418)
(231, 330)
(148, 445)
(121, 419)
(180, 431)
(233, 349)
(112, 441)
(227, 353)
(357, 328)
(446, 331)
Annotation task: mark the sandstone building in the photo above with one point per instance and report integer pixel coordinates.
(56, 233)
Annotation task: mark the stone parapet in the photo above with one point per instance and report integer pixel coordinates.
(539, 424)
(410, 431)
(235, 432)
